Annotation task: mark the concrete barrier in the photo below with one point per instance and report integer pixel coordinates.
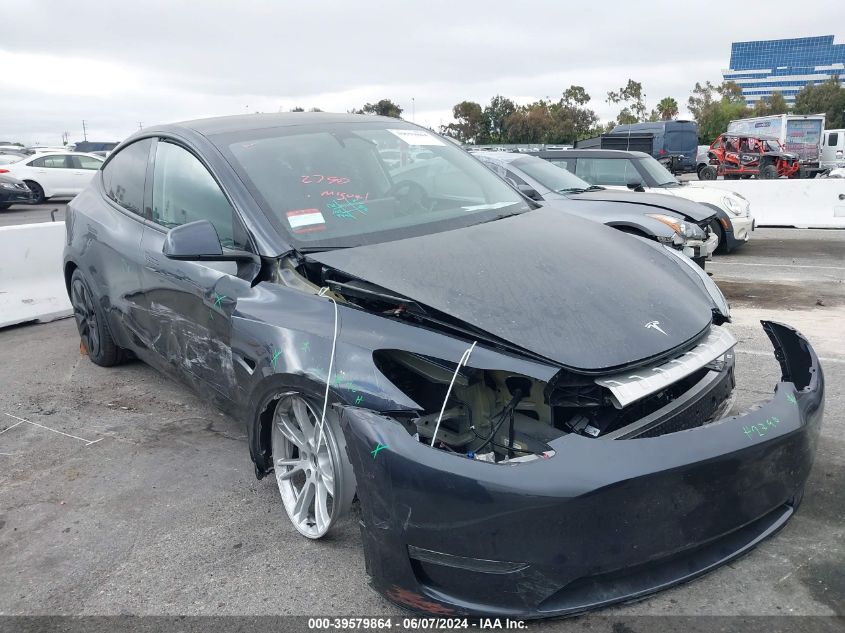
(32, 286)
(808, 203)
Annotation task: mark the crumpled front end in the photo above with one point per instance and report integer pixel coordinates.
(595, 520)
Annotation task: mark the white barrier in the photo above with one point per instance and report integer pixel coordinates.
(803, 203)
(32, 286)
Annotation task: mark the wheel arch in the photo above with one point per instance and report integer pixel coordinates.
(265, 395)
(70, 267)
(46, 192)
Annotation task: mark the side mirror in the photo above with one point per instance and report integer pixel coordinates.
(635, 185)
(529, 191)
(198, 241)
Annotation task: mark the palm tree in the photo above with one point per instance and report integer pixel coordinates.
(667, 108)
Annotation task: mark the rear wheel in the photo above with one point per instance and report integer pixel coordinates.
(708, 173)
(768, 172)
(313, 473)
(37, 192)
(91, 323)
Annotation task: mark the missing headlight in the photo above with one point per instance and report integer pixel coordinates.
(490, 415)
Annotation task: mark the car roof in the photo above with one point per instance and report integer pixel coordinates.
(246, 122)
(53, 152)
(505, 157)
(598, 153)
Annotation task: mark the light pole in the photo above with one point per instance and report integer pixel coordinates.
(413, 110)
(84, 131)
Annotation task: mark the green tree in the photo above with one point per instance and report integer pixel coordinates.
(701, 97)
(531, 123)
(495, 118)
(713, 115)
(775, 104)
(469, 126)
(297, 109)
(730, 90)
(572, 119)
(632, 98)
(384, 107)
(827, 98)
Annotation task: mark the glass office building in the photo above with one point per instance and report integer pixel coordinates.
(784, 65)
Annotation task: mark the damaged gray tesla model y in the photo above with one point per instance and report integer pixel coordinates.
(531, 412)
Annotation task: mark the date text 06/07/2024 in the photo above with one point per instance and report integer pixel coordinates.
(414, 623)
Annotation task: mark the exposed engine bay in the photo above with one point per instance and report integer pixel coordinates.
(502, 417)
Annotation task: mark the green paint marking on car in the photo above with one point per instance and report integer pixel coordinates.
(792, 398)
(218, 300)
(376, 450)
(275, 358)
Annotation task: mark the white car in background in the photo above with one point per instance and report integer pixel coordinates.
(55, 173)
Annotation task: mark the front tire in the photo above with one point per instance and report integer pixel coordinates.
(314, 475)
(91, 322)
(768, 172)
(716, 227)
(37, 192)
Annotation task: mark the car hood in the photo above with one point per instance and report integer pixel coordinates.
(700, 192)
(690, 209)
(570, 290)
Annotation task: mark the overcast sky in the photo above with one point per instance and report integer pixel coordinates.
(169, 60)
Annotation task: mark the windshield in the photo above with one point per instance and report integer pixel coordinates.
(551, 176)
(660, 175)
(346, 184)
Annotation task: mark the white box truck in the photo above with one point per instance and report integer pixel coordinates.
(833, 150)
(800, 134)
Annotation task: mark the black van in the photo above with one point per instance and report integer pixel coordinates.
(678, 139)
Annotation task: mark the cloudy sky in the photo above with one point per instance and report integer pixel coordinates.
(118, 64)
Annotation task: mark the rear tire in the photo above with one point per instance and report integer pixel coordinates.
(708, 173)
(91, 322)
(37, 192)
(768, 172)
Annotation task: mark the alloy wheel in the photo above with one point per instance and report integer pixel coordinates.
(314, 481)
(86, 317)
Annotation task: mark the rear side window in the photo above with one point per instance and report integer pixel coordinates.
(125, 174)
(833, 139)
(607, 171)
(86, 162)
(50, 162)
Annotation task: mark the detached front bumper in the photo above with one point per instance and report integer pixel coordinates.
(698, 249)
(601, 521)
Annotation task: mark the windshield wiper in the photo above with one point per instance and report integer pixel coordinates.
(501, 216)
(320, 249)
(571, 190)
(580, 189)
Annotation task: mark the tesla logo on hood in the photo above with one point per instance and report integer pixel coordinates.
(655, 325)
